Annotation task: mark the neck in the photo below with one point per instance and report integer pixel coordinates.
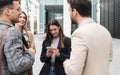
(18, 27)
(80, 19)
(56, 36)
(5, 19)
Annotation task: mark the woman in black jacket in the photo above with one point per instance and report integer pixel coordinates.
(60, 49)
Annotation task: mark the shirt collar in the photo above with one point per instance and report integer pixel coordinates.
(85, 21)
(3, 22)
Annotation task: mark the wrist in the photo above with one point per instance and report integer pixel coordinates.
(58, 54)
(48, 55)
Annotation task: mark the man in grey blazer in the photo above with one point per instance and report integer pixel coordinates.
(91, 43)
(15, 60)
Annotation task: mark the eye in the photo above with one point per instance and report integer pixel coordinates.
(24, 18)
(19, 9)
(20, 16)
(53, 29)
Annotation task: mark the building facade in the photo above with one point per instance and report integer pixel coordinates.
(58, 9)
(31, 8)
(105, 12)
(110, 16)
(50, 9)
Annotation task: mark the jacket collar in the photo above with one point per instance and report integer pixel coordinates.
(86, 21)
(3, 22)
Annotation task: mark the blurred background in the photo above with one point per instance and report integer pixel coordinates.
(104, 12)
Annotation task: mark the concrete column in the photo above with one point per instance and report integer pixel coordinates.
(66, 20)
(98, 11)
(32, 18)
(38, 21)
(42, 17)
(94, 10)
(23, 5)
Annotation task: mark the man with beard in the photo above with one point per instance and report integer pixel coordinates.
(14, 59)
(91, 43)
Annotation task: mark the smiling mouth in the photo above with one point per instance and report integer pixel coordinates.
(54, 34)
(22, 22)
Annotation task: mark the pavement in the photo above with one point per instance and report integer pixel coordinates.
(114, 66)
(38, 44)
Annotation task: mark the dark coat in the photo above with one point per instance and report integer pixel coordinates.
(64, 53)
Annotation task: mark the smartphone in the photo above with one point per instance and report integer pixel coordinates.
(49, 48)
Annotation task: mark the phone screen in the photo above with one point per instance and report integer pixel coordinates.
(49, 48)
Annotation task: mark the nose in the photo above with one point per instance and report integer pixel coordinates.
(52, 31)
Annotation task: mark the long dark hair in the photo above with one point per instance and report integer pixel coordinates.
(49, 37)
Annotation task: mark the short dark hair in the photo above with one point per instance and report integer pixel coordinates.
(4, 3)
(82, 6)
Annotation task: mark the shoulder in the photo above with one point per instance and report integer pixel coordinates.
(29, 32)
(46, 42)
(67, 39)
(12, 31)
(13, 34)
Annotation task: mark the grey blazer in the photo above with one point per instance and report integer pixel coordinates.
(15, 60)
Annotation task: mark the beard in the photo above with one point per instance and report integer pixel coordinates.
(14, 21)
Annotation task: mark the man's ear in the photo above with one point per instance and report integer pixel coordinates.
(7, 11)
(74, 12)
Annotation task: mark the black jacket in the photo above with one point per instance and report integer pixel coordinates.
(64, 53)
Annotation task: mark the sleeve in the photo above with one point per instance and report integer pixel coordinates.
(75, 65)
(43, 56)
(66, 54)
(18, 60)
(31, 39)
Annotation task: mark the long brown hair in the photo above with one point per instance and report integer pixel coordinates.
(49, 37)
(25, 26)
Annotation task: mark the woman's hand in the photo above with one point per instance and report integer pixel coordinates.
(49, 52)
(56, 51)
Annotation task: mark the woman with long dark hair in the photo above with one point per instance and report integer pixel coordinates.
(55, 49)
